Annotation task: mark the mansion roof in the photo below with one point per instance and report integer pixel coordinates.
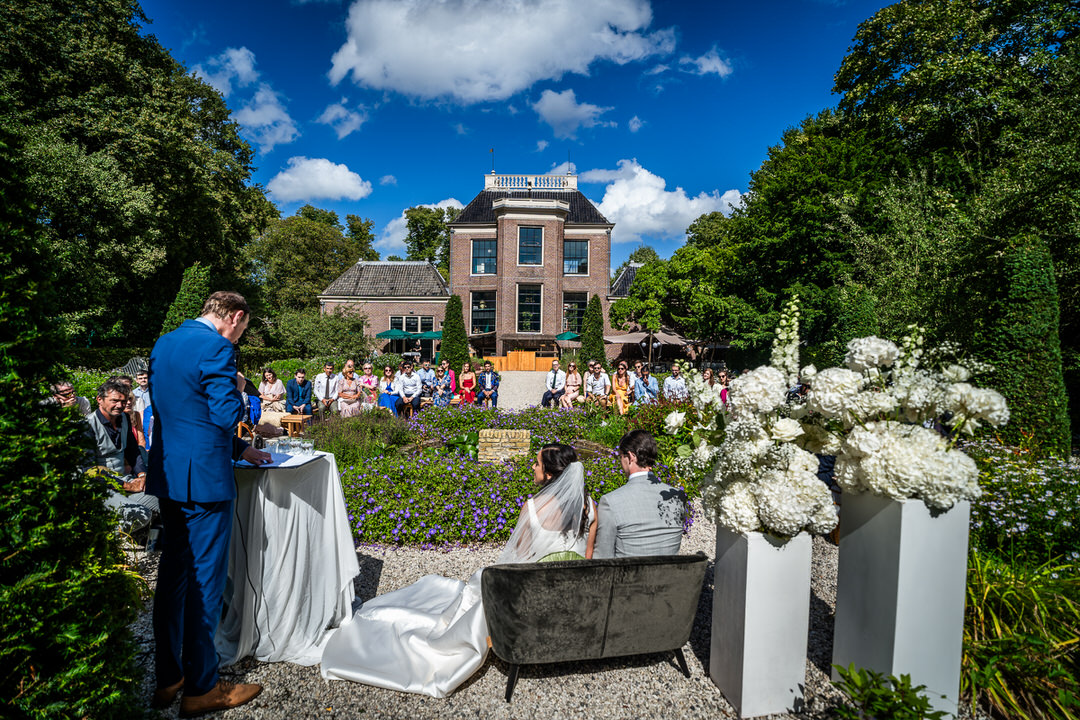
(621, 286)
(389, 278)
(481, 210)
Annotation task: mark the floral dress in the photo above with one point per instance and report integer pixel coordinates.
(442, 395)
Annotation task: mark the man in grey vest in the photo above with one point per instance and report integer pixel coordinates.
(116, 450)
(644, 516)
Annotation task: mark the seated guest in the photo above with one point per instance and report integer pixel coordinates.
(644, 516)
(635, 373)
(467, 384)
(271, 392)
(325, 388)
(427, 378)
(645, 387)
(409, 388)
(298, 394)
(445, 365)
(441, 394)
(622, 388)
(349, 391)
(388, 395)
(597, 386)
(63, 394)
(487, 383)
(142, 390)
(555, 384)
(115, 449)
(572, 388)
(675, 385)
(369, 388)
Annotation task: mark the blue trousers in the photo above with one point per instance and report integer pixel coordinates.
(187, 601)
(551, 397)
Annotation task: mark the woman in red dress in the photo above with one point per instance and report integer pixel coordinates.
(467, 382)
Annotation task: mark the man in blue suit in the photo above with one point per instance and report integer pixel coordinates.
(197, 404)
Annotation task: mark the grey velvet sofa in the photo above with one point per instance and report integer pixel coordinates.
(591, 609)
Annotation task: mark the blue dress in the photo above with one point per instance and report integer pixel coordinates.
(388, 397)
(441, 396)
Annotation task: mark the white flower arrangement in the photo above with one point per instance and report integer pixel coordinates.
(875, 415)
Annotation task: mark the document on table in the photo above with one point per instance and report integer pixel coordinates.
(280, 460)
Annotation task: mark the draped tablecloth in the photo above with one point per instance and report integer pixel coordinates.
(291, 564)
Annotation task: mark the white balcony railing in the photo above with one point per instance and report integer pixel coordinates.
(530, 182)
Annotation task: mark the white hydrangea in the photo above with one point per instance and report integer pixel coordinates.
(918, 395)
(736, 508)
(758, 391)
(832, 391)
(972, 405)
(870, 352)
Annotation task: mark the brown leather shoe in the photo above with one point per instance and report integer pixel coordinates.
(164, 697)
(225, 695)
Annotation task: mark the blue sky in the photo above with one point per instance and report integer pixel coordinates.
(663, 108)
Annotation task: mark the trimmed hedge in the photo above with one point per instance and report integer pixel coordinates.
(455, 341)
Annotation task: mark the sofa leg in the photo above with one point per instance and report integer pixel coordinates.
(511, 681)
(682, 661)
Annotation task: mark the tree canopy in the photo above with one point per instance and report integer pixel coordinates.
(428, 236)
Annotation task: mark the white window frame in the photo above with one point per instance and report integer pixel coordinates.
(517, 309)
(543, 241)
(495, 321)
(472, 263)
(588, 257)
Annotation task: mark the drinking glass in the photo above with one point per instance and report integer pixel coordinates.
(309, 447)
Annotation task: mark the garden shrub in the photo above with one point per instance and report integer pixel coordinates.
(455, 341)
(592, 333)
(875, 695)
(194, 289)
(103, 359)
(1021, 341)
(353, 439)
(66, 599)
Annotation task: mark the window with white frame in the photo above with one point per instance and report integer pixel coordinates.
(484, 257)
(575, 257)
(530, 246)
(574, 304)
(530, 304)
(483, 312)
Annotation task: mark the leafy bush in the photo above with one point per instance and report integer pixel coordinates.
(1029, 511)
(455, 341)
(650, 417)
(66, 598)
(85, 382)
(354, 439)
(1021, 635)
(194, 289)
(592, 332)
(311, 333)
(876, 696)
(103, 359)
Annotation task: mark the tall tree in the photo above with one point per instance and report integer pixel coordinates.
(358, 230)
(592, 332)
(455, 342)
(135, 165)
(193, 292)
(295, 259)
(428, 235)
(326, 217)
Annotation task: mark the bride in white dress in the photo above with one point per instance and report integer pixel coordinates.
(429, 637)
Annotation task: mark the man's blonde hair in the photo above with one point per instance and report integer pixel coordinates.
(224, 303)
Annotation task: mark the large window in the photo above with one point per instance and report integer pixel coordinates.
(530, 246)
(574, 304)
(483, 257)
(529, 306)
(412, 323)
(575, 257)
(483, 312)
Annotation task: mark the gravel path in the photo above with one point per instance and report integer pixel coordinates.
(647, 686)
(519, 389)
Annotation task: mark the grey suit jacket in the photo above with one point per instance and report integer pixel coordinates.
(643, 517)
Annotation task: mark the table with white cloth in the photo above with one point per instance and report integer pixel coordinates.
(292, 562)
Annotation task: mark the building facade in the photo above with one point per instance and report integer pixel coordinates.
(526, 255)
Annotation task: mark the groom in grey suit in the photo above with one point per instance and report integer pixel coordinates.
(644, 516)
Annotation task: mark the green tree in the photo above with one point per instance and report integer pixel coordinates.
(455, 342)
(194, 290)
(358, 230)
(592, 332)
(642, 254)
(644, 307)
(135, 165)
(295, 259)
(428, 235)
(310, 333)
(66, 597)
(394, 258)
(326, 217)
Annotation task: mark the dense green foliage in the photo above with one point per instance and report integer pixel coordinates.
(311, 333)
(428, 235)
(455, 343)
(66, 598)
(592, 332)
(194, 289)
(873, 695)
(356, 439)
(135, 166)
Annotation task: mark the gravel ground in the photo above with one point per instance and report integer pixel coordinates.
(647, 686)
(519, 389)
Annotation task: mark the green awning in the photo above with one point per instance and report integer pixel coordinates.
(568, 335)
(395, 334)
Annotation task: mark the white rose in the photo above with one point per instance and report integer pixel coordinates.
(870, 352)
(956, 373)
(674, 421)
(786, 430)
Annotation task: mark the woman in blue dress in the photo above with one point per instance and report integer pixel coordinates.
(442, 395)
(388, 395)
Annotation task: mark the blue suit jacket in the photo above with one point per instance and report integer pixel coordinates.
(196, 409)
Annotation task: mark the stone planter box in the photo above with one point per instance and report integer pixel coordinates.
(761, 616)
(900, 592)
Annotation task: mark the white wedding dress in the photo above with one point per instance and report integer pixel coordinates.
(429, 637)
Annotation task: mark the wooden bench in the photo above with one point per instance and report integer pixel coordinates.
(294, 424)
(591, 609)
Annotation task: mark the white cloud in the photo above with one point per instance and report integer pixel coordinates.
(460, 129)
(541, 145)
(392, 240)
(640, 205)
(565, 114)
(317, 178)
(478, 51)
(342, 119)
(388, 180)
(635, 124)
(658, 69)
(234, 65)
(266, 120)
(708, 64)
(566, 168)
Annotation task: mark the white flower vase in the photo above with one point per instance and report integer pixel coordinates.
(900, 592)
(761, 615)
